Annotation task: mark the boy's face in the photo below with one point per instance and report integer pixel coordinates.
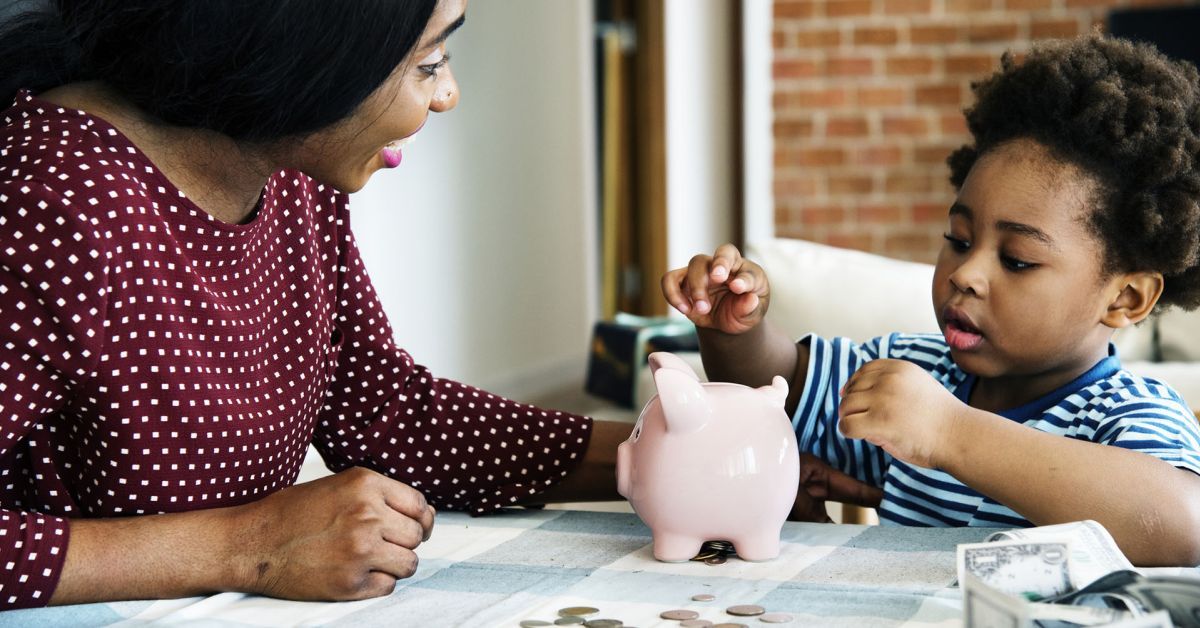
(1018, 288)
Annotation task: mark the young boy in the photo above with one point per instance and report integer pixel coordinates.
(1076, 215)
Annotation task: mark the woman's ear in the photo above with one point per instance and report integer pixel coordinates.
(1138, 293)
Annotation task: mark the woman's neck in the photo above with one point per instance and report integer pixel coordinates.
(220, 175)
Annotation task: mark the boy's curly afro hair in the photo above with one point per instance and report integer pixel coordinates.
(1127, 116)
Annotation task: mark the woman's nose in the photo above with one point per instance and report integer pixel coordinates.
(445, 95)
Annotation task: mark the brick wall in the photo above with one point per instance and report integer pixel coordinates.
(868, 102)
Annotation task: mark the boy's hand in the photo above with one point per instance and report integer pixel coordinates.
(820, 482)
(725, 292)
(898, 406)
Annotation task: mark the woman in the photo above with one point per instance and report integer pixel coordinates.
(185, 310)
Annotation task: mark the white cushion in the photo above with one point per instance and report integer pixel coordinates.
(832, 291)
(1179, 336)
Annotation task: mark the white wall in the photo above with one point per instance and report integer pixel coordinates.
(700, 166)
(758, 116)
(482, 243)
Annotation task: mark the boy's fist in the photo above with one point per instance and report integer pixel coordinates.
(725, 292)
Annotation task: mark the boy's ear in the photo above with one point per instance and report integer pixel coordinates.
(1139, 292)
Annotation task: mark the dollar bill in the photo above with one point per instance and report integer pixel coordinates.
(1094, 553)
(988, 607)
(1032, 569)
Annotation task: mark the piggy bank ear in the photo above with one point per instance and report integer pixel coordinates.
(684, 403)
(663, 360)
(777, 392)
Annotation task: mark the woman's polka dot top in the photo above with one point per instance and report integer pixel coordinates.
(154, 359)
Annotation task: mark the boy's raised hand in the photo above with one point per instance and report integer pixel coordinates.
(898, 406)
(725, 292)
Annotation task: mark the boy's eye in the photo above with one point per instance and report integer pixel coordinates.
(958, 245)
(1013, 263)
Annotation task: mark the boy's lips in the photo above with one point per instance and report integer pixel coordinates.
(961, 332)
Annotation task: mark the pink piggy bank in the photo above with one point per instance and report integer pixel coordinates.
(710, 462)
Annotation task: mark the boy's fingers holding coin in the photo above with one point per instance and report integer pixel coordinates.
(726, 260)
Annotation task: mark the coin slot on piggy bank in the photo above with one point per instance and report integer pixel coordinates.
(709, 461)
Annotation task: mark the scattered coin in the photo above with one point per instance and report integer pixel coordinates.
(578, 611)
(569, 620)
(704, 597)
(730, 625)
(679, 615)
(715, 560)
(746, 610)
(534, 623)
(775, 618)
(695, 623)
(604, 623)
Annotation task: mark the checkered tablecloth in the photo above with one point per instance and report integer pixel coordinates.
(501, 569)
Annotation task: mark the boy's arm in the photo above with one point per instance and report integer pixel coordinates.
(1151, 508)
(753, 358)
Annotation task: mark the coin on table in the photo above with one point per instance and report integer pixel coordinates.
(569, 620)
(715, 560)
(577, 611)
(704, 597)
(604, 623)
(695, 623)
(730, 625)
(746, 610)
(679, 614)
(775, 618)
(533, 623)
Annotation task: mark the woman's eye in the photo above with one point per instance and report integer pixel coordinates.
(958, 245)
(431, 69)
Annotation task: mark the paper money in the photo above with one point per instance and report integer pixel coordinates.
(1094, 553)
(1032, 569)
(987, 607)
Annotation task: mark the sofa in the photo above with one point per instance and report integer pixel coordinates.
(840, 292)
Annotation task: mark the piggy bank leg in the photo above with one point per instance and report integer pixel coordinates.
(758, 547)
(675, 548)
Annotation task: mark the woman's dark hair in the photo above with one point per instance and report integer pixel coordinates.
(1129, 117)
(255, 70)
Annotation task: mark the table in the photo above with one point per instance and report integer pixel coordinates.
(527, 564)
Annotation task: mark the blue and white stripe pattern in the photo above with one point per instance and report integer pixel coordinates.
(1106, 405)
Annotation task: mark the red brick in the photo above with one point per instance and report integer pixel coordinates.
(852, 240)
(795, 9)
(1085, 4)
(904, 125)
(1028, 5)
(847, 8)
(846, 126)
(878, 156)
(992, 31)
(849, 66)
(929, 212)
(969, 6)
(907, 7)
(915, 243)
(795, 185)
(822, 215)
(949, 94)
(971, 64)
(850, 184)
(933, 154)
(881, 96)
(904, 182)
(819, 38)
(820, 157)
(911, 65)
(781, 40)
(1053, 29)
(876, 36)
(793, 127)
(953, 124)
(817, 98)
(880, 214)
(794, 68)
(934, 34)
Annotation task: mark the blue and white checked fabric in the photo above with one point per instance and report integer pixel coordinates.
(503, 568)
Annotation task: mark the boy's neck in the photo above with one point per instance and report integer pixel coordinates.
(997, 394)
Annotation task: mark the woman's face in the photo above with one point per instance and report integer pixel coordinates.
(347, 153)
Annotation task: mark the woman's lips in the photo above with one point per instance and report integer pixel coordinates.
(393, 154)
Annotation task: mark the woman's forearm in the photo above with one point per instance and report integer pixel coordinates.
(150, 557)
(1151, 508)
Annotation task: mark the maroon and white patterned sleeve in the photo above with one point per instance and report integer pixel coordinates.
(464, 448)
(52, 301)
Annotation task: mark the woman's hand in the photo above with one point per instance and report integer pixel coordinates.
(725, 292)
(345, 537)
(898, 406)
(820, 482)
